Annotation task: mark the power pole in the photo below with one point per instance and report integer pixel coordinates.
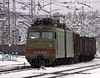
(14, 32)
(9, 23)
(33, 11)
(50, 8)
(82, 21)
(2, 24)
(5, 24)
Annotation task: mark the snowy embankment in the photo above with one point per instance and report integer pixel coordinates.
(5, 64)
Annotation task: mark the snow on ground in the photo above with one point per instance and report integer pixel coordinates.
(91, 74)
(21, 60)
(5, 64)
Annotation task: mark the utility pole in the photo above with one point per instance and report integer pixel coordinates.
(33, 12)
(5, 26)
(50, 8)
(9, 22)
(2, 24)
(14, 23)
(5, 23)
(82, 21)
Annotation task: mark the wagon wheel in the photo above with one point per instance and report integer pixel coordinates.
(76, 59)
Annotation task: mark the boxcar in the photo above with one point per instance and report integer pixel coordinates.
(76, 38)
(76, 43)
(87, 48)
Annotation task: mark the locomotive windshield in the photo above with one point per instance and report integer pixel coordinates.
(34, 35)
(47, 35)
(43, 35)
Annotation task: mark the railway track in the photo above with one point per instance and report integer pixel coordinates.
(79, 70)
(76, 71)
(16, 68)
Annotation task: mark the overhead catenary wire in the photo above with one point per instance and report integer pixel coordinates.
(85, 3)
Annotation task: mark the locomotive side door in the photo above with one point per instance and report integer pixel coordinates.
(69, 44)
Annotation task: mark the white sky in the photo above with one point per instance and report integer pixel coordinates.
(60, 6)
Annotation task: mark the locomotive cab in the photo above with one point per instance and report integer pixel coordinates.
(41, 46)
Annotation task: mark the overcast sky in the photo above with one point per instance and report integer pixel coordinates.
(61, 6)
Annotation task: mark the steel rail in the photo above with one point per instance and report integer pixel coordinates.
(77, 70)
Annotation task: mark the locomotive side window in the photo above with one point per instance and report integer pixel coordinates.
(47, 35)
(34, 35)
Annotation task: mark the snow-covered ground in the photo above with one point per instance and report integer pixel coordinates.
(5, 64)
(95, 73)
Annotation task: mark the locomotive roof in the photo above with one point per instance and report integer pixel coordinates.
(48, 23)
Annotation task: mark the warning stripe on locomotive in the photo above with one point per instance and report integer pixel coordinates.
(41, 39)
(41, 48)
(40, 54)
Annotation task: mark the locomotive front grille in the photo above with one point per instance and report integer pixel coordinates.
(40, 57)
(40, 52)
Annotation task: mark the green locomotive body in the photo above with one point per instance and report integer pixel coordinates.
(41, 46)
(47, 43)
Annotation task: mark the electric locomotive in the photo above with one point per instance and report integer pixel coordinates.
(50, 43)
